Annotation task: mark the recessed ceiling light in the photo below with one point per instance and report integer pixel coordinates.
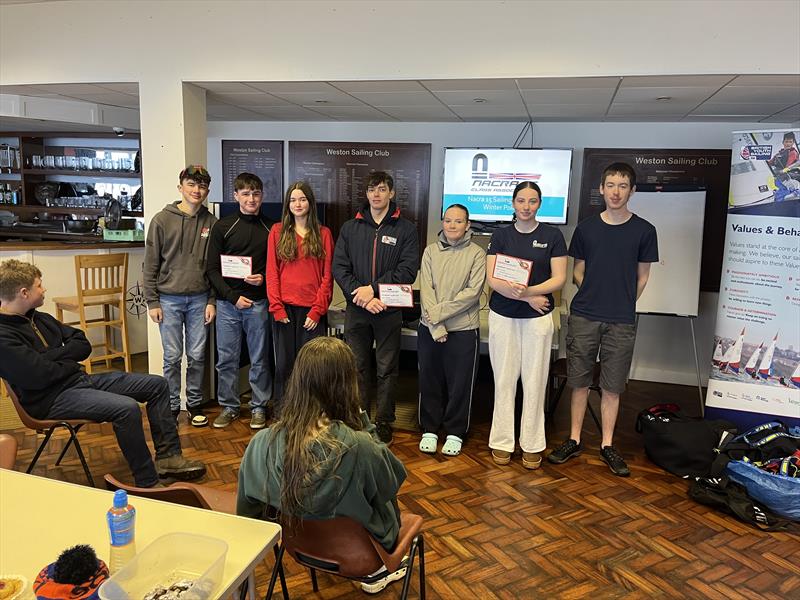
(664, 98)
(479, 100)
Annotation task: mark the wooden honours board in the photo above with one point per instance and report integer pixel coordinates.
(259, 157)
(338, 173)
(694, 169)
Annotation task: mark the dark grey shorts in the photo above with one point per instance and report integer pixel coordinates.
(614, 341)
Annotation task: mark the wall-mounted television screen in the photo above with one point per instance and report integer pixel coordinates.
(483, 179)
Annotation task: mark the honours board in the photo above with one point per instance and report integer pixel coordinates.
(338, 173)
(709, 169)
(259, 157)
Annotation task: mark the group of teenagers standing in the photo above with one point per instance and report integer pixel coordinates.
(242, 268)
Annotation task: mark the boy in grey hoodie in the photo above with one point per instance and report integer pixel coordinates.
(179, 297)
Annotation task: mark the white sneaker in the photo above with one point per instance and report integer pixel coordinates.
(378, 583)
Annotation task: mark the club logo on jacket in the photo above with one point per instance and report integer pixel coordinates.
(387, 239)
(204, 232)
(538, 244)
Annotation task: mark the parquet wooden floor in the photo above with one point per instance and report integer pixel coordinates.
(571, 531)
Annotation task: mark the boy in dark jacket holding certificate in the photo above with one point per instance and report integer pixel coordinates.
(377, 247)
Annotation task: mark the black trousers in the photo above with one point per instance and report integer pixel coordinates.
(288, 339)
(447, 372)
(361, 329)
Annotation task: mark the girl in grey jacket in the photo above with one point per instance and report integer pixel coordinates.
(451, 282)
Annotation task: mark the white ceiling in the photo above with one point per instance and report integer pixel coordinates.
(750, 98)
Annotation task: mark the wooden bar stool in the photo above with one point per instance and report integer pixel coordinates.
(102, 282)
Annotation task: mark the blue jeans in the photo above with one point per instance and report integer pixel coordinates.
(254, 322)
(114, 397)
(184, 314)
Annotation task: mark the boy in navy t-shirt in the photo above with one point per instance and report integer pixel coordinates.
(613, 252)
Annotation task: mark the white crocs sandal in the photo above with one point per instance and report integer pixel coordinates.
(452, 446)
(428, 443)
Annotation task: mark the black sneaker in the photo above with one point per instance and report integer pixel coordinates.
(384, 432)
(612, 458)
(197, 417)
(565, 451)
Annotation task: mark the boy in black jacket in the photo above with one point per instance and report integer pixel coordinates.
(377, 246)
(237, 265)
(40, 362)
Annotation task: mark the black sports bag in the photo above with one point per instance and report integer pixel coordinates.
(682, 445)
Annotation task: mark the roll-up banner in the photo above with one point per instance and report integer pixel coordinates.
(755, 370)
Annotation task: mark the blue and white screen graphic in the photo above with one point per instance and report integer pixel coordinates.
(483, 180)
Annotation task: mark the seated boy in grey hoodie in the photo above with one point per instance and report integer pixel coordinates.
(179, 297)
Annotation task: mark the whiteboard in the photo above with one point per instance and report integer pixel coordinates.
(674, 284)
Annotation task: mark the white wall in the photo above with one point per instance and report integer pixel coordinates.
(663, 347)
(322, 40)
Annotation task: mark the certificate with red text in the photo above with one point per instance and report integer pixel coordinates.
(512, 269)
(397, 295)
(236, 267)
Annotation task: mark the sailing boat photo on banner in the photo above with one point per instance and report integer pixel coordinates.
(718, 354)
(765, 369)
(750, 367)
(733, 356)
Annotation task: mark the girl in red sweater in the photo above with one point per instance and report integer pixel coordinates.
(299, 280)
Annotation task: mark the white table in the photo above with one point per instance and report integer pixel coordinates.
(40, 517)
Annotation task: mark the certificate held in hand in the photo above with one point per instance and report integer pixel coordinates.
(236, 267)
(394, 294)
(512, 269)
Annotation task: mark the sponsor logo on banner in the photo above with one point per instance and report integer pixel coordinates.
(759, 152)
(483, 178)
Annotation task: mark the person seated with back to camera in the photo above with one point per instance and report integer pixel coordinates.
(40, 360)
(322, 458)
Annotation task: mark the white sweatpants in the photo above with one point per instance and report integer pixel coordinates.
(519, 348)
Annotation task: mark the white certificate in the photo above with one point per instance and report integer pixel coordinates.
(512, 269)
(236, 267)
(393, 294)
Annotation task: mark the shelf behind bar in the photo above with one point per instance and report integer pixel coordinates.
(80, 173)
(64, 210)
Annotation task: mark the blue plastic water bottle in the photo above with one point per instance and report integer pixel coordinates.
(121, 520)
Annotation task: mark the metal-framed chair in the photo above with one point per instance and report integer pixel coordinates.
(198, 496)
(184, 493)
(343, 547)
(49, 426)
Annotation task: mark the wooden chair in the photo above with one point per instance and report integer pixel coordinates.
(102, 282)
(49, 426)
(343, 547)
(8, 451)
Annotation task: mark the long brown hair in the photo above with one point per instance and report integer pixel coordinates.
(322, 389)
(312, 243)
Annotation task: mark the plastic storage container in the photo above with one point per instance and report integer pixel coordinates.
(170, 558)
